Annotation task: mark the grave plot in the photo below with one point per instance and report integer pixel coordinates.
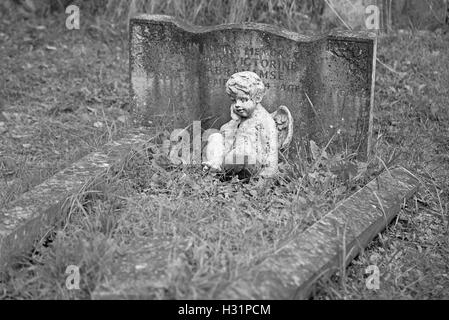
(148, 230)
(157, 229)
(190, 236)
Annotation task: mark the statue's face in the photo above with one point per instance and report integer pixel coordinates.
(243, 105)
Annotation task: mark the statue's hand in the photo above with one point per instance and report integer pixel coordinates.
(211, 167)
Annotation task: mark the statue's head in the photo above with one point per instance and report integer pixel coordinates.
(246, 90)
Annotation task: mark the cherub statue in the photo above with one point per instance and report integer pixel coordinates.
(252, 139)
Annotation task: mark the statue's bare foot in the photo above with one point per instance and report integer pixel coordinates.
(210, 167)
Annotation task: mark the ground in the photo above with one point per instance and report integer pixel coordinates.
(65, 93)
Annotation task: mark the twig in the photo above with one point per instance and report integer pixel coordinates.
(316, 113)
(401, 74)
(337, 14)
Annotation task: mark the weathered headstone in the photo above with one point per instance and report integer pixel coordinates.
(178, 74)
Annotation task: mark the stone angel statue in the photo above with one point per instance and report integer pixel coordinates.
(253, 137)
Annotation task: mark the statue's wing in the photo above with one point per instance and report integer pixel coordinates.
(284, 123)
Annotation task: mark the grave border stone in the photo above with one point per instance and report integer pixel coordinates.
(31, 216)
(332, 242)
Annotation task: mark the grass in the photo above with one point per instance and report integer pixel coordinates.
(64, 95)
(228, 226)
(54, 98)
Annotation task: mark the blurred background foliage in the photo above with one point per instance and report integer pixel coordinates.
(295, 15)
(292, 14)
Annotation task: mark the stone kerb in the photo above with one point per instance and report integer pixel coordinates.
(333, 241)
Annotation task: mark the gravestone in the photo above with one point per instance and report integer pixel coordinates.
(178, 74)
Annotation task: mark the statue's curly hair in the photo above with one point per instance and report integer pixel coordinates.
(247, 82)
